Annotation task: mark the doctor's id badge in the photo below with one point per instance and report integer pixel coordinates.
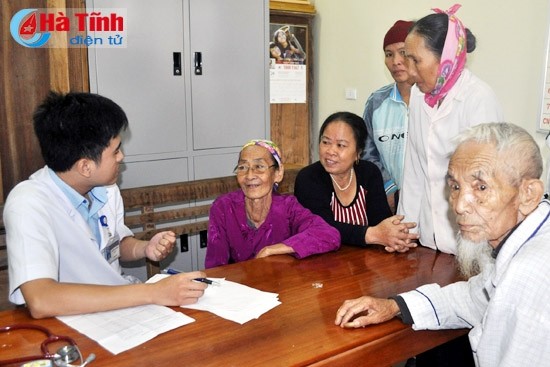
(112, 251)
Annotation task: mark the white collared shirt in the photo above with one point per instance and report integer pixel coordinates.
(506, 306)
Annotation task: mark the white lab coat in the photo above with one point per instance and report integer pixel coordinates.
(47, 237)
(424, 195)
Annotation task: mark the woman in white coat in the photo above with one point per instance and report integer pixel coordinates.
(445, 100)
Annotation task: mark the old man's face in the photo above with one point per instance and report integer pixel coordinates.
(484, 201)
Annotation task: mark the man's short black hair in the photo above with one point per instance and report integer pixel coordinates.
(73, 126)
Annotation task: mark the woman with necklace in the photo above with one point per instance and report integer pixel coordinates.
(347, 192)
(256, 221)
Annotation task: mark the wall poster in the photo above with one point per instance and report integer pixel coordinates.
(543, 124)
(287, 70)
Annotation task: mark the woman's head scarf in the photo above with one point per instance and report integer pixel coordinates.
(453, 58)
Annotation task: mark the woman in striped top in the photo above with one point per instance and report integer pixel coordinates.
(348, 192)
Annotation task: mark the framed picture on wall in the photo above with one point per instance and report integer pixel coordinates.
(543, 123)
(544, 116)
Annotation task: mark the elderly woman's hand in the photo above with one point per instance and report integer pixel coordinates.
(276, 249)
(393, 234)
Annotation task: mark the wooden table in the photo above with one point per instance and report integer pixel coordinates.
(299, 332)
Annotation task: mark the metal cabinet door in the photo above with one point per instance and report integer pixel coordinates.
(230, 97)
(140, 77)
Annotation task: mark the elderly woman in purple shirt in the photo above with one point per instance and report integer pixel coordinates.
(256, 221)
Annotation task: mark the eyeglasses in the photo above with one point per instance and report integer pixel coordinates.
(255, 168)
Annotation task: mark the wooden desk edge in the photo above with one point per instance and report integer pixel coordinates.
(376, 352)
(399, 344)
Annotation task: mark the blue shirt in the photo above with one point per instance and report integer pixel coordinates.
(98, 198)
(386, 117)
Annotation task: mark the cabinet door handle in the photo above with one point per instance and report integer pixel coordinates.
(203, 239)
(198, 63)
(184, 242)
(177, 63)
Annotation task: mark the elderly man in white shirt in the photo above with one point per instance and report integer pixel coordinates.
(495, 192)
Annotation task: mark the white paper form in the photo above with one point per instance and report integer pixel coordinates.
(120, 330)
(232, 301)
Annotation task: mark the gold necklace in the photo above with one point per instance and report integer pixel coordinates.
(347, 186)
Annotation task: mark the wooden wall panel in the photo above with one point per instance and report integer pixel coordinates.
(28, 74)
(291, 126)
(290, 129)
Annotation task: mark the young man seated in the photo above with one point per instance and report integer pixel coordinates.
(64, 225)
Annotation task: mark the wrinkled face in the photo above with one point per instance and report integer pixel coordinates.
(255, 184)
(106, 172)
(485, 203)
(423, 63)
(338, 149)
(396, 62)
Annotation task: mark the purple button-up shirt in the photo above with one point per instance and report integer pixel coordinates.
(230, 237)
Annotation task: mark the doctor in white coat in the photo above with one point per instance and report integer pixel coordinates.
(64, 225)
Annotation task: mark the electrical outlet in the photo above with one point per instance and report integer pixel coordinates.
(351, 93)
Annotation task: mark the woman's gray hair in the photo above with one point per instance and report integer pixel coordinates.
(514, 144)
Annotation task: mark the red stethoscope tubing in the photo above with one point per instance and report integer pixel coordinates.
(51, 338)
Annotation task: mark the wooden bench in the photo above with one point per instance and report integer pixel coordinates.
(181, 207)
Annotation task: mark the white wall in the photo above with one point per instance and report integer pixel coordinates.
(510, 54)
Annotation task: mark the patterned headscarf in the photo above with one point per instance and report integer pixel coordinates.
(269, 145)
(453, 57)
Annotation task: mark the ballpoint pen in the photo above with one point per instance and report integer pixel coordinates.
(202, 280)
(207, 281)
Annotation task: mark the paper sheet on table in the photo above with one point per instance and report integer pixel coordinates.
(233, 301)
(120, 330)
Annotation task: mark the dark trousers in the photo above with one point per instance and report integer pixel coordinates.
(456, 353)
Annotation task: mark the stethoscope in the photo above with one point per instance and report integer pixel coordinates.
(63, 357)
